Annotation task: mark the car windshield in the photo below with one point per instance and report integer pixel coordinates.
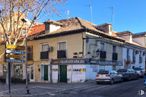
(122, 70)
(137, 69)
(103, 72)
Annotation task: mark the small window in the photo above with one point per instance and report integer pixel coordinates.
(45, 47)
(133, 56)
(102, 46)
(114, 48)
(62, 46)
(87, 39)
(140, 57)
(128, 54)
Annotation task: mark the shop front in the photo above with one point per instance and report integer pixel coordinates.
(78, 70)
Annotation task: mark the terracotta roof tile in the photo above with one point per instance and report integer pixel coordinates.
(37, 29)
(77, 23)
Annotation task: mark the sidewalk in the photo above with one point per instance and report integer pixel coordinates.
(41, 89)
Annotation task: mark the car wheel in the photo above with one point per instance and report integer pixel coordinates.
(112, 81)
(121, 80)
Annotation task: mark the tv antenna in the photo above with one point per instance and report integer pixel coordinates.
(112, 14)
(91, 11)
(68, 13)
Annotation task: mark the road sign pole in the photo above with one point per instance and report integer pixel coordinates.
(9, 77)
(26, 73)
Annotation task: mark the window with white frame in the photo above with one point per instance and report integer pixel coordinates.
(62, 46)
(45, 47)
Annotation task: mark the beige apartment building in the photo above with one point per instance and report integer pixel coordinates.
(61, 53)
(71, 50)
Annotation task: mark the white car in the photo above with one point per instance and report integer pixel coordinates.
(108, 76)
(139, 71)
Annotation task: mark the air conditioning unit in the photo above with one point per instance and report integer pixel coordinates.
(51, 49)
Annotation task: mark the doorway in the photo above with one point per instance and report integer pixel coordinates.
(63, 73)
(31, 73)
(44, 72)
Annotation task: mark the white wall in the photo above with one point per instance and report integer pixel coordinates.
(76, 73)
(91, 71)
(106, 67)
(136, 64)
(55, 73)
(53, 27)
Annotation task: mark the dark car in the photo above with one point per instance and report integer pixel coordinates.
(145, 78)
(133, 74)
(127, 74)
(123, 73)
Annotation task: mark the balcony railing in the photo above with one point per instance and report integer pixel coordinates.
(61, 54)
(29, 56)
(44, 55)
(102, 55)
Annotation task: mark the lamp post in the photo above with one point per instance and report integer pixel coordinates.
(26, 73)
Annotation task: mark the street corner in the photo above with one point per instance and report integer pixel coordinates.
(34, 91)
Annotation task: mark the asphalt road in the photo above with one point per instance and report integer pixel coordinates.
(87, 89)
(126, 89)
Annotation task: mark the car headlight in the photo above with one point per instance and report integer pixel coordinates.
(120, 75)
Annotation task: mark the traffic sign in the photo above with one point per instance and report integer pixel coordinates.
(15, 47)
(15, 61)
(15, 56)
(15, 52)
(11, 46)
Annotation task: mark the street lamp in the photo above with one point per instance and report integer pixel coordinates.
(26, 73)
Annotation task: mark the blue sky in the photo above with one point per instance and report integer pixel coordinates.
(127, 14)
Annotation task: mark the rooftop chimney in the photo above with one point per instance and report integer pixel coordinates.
(51, 26)
(107, 28)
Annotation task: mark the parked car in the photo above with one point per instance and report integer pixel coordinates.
(123, 73)
(139, 71)
(127, 74)
(108, 76)
(145, 79)
(133, 74)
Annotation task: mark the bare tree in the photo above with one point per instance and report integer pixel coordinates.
(12, 13)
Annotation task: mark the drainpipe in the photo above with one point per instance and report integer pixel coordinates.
(26, 72)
